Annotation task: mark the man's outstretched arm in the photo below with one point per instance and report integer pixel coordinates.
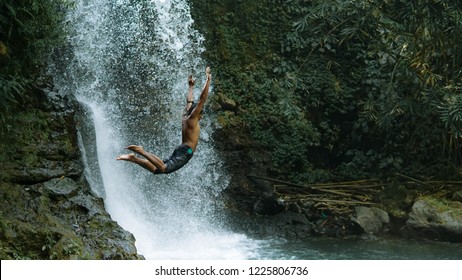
(204, 94)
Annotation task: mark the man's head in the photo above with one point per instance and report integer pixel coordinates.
(193, 106)
(189, 111)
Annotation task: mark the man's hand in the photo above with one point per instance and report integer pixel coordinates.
(191, 81)
(207, 73)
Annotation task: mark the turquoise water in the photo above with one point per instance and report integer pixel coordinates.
(317, 248)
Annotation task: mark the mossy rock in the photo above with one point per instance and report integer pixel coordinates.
(69, 246)
(436, 218)
(48, 209)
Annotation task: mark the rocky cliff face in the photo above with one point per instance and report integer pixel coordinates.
(48, 210)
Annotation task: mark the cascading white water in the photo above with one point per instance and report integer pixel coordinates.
(128, 64)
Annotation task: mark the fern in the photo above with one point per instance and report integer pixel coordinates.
(10, 89)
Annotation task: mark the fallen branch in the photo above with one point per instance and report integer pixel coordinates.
(445, 182)
(412, 179)
(326, 186)
(349, 202)
(279, 181)
(342, 197)
(337, 197)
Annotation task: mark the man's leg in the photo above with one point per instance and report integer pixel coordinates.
(141, 162)
(153, 159)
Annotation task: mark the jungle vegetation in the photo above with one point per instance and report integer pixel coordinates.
(342, 88)
(333, 88)
(29, 29)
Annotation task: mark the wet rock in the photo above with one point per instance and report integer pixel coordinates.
(48, 209)
(226, 103)
(65, 187)
(269, 205)
(283, 225)
(89, 204)
(58, 101)
(41, 143)
(334, 226)
(44, 170)
(436, 219)
(372, 220)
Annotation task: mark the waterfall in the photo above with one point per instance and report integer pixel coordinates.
(128, 64)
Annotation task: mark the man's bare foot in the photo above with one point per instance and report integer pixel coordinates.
(135, 148)
(191, 81)
(129, 157)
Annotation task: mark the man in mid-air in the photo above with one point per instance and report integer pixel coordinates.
(189, 133)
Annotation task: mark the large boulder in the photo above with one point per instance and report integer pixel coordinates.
(371, 219)
(436, 219)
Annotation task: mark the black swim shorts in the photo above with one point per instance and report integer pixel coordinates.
(178, 159)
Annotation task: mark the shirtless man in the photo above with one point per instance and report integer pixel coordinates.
(189, 134)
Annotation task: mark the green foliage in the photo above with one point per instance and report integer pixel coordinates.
(10, 88)
(447, 102)
(28, 31)
(389, 54)
(363, 87)
(244, 38)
